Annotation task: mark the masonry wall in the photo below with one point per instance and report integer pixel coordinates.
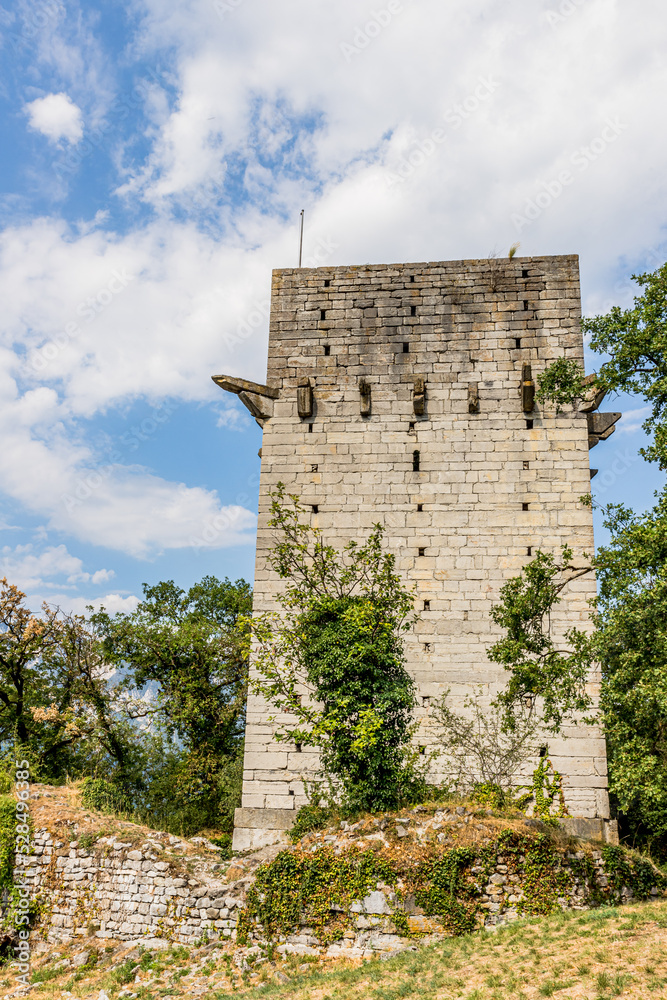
(117, 890)
(492, 486)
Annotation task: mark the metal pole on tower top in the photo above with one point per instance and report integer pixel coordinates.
(301, 237)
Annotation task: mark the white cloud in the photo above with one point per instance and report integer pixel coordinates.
(29, 568)
(428, 142)
(57, 117)
(632, 420)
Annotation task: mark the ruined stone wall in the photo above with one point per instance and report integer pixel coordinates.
(417, 420)
(118, 890)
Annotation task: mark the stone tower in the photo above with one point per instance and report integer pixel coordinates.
(404, 394)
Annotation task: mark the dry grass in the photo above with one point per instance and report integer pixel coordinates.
(594, 955)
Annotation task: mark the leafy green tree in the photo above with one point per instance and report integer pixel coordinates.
(335, 660)
(634, 342)
(631, 608)
(184, 662)
(55, 707)
(542, 670)
(631, 645)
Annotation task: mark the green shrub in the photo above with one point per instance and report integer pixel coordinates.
(103, 795)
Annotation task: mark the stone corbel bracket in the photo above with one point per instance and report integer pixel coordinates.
(304, 399)
(527, 389)
(419, 395)
(256, 398)
(593, 396)
(364, 397)
(601, 426)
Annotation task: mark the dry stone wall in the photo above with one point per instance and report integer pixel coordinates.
(119, 890)
(400, 394)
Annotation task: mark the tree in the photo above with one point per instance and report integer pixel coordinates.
(335, 659)
(631, 645)
(183, 658)
(54, 703)
(635, 343)
(631, 607)
(543, 672)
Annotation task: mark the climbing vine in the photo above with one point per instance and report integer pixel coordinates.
(449, 886)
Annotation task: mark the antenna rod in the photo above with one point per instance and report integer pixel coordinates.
(301, 238)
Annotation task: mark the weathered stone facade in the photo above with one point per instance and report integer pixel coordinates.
(405, 394)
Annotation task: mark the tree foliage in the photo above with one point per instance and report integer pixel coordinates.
(334, 660)
(183, 661)
(543, 671)
(631, 644)
(54, 699)
(634, 342)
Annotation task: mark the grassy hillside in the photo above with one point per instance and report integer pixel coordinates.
(598, 954)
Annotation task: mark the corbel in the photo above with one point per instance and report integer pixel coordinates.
(601, 426)
(527, 389)
(419, 395)
(304, 398)
(593, 396)
(364, 397)
(256, 398)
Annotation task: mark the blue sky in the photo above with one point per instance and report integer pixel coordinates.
(156, 155)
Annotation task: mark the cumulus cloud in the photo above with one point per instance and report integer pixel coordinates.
(439, 132)
(29, 568)
(57, 117)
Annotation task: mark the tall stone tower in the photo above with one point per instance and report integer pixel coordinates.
(404, 394)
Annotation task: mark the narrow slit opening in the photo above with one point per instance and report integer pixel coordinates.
(517, 341)
(526, 465)
(415, 461)
(426, 701)
(323, 314)
(427, 605)
(422, 551)
(525, 305)
(327, 350)
(422, 751)
(413, 310)
(314, 468)
(529, 425)
(529, 550)
(411, 426)
(406, 347)
(327, 282)
(316, 508)
(420, 507)
(298, 747)
(524, 273)
(412, 279)
(524, 506)
(310, 428)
